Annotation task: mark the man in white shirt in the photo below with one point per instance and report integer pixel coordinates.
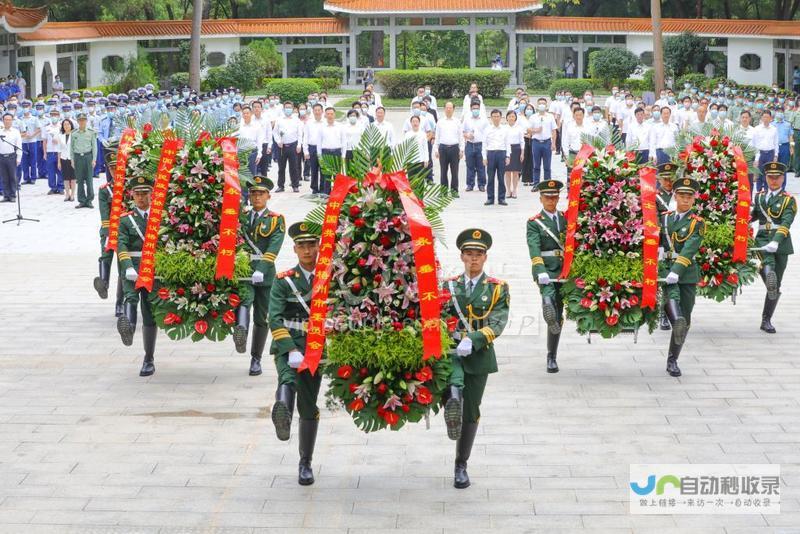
(384, 126)
(765, 141)
(496, 154)
(287, 133)
(571, 137)
(474, 127)
(10, 157)
(543, 142)
(311, 139)
(448, 147)
(610, 104)
(251, 137)
(685, 115)
(514, 102)
(663, 135)
(626, 115)
(472, 94)
(596, 125)
(638, 138)
(261, 118)
(331, 143)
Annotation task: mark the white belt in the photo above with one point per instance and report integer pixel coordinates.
(765, 227)
(255, 257)
(551, 253)
(135, 254)
(295, 325)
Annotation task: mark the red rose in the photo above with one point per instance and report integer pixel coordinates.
(214, 314)
(411, 313)
(172, 318)
(634, 300)
(714, 143)
(363, 372)
(377, 278)
(359, 222)
(211, 180)
(601, 282)
(706, 266)
(354, 189)
(718, 278)
(353, 388)
(163, 293)
(444, 296)
(586, 302)
(407, 397)
(229, 317)
(603, 306)
(145, 135)
(385, 240)
(382, 388)
(596, 164)
(405, 408)
(733, 279)
(211, 288)
(362, 262)
(234, 300)
(452, 323)
(204, 136)
(424, 374)
(356, 405)
(356, 288)
(397, 325)
(424, 395)
(345, 371)
(391, 417)
(616, 305)
(201, 326)
(408, 376)
(147, 128)
(611, 320)
(726, 141)
(354, 211)
(580, 283)
(137, 150)
(180, 291)
(617, 286)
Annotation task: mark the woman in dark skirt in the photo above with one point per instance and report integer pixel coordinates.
(516, 134)
(65, 160)
(527, 151)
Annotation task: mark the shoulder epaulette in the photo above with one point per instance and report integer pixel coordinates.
(126, 213)
(696, 217)
(786, 193)
(493, 280)
(284, 274)
(452, 278)
(535, 217)
(273, 214)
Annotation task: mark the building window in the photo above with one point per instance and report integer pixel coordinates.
(25, 51)
(646, 58)
(750, 62)
(216, 59)
(113, 63)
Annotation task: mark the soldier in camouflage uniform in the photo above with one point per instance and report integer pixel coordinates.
(545, 233)
(289, 303)
(481, 304)
(101, 282)
(681, 235)
(775, 211)
(132, 227)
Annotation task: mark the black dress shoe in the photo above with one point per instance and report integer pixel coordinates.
(552, 366)
(79, 206)
(305, 475)
(672, 367)
(280, 190)
(461, 478)
(502, 203)
(88, 205)
(295, 190)
(488, 203)
(469, 189)
(255, 366)
(482, 189)
(148, 368)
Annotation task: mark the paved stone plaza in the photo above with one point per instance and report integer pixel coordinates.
(86, 445)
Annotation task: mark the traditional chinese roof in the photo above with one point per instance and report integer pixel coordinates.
(21, 19)
(390, 7)
(619, 25)
(164, 29)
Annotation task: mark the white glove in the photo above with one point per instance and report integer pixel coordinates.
(465, 347)
(672, 278)
(770, 247)
(131, 274)
(544, 279)
(258, 277)
(295, 358)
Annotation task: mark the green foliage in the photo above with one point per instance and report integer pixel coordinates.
(136, 72)
(419, 49)
(271, 61)
(184, 56)
(684, 53)
(179, 79)
(718, 235)
(612, 65)
(697, 79)
(617, 269)
(183, 269)
(245, 69)
(216, 77)
(577, 85)
(293, 89)
(330, 77)
(445, 83)
(539, 79)
(636, 85)
(392, 351)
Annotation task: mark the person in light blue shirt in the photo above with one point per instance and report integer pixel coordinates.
(784, 137)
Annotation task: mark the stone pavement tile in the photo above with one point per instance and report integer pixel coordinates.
(501, 522)
(315, 520)
(39, 503)
(64, 517)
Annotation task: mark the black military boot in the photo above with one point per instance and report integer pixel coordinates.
(308, 437)
(282, 411)
(240, 330)
(119, 308)
(550, 313)
(766, 315)
(672, 357)
(675, 316)
(663, 321)
(101, 282)
(552, 351)
(453, 412)
(770, 278)
(149, 337)
(463, 450)
(257, 349)
(126, 324)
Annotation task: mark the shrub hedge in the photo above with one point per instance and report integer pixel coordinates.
(330, 77)
(293, 89)
(576, 85)
(445, 83)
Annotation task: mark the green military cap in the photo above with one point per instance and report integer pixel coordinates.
(141, 183)
(667, 170)
(775, 167)
(301, 232)
(82, 116)
(261, 183)
(474, 238)
(685, 185)
(550, 187)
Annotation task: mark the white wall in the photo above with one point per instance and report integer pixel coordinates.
(762, 47)
(638, 44)
(42, 55)
(99, 50)
(227, 46)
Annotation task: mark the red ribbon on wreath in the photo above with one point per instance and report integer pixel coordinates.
(425, 265)
(742, 228)
(315, 341)
(575, 182)
(647, 180)
(166, 164)
(119, 188)
(229, 219)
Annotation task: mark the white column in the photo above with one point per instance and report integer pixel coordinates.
(285, 53)
(353, 45)
(41, 55)
(343, 51)
(473, 37)
(392, 44)
(580, 57)
(512, 54)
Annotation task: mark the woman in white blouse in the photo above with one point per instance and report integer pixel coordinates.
(416, 133)
(745, 129)
(352, 134)
(516, 138)
(65, 161)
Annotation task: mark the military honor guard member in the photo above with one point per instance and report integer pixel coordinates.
(105, 195)
(665, 201)
(775, 211)
(545, 233)
(132, 227)
(263, 232)
(681, 235)
(289, 305)
(481, 304)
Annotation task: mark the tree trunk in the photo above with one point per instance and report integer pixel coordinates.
(194, 57)
(377, 59)
(270, 8)
(727, 7)
(698, 9)
(206, 8)
(658, 45)
(170, 11)
(234, 9)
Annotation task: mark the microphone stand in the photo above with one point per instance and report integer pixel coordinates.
(19, 218)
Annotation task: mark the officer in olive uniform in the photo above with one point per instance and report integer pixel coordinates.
(481, 305)
(775, 211)
(665, 202)
(289, 304)
(132, 227)
(681, 235)
(105, 196)
(545, 232)
(263, 232)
